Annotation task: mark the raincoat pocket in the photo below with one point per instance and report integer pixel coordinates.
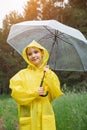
(48, 122)
(25, 123)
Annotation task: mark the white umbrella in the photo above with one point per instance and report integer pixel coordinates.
(67, 46)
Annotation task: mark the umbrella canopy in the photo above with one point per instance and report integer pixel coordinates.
(67, 46)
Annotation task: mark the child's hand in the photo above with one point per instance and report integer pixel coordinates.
(46, 68)
(41, 91)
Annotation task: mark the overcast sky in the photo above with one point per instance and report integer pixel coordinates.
(7, 6)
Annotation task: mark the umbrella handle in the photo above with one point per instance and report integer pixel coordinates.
(41, 86)
(44, 94)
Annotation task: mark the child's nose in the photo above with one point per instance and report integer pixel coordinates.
(33, 55)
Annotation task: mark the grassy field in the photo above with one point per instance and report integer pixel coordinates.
(70, 112)
(8, 113)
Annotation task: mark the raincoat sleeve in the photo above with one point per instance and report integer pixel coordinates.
(53, 84)
(19, 92)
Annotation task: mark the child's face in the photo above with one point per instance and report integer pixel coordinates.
(35, 56)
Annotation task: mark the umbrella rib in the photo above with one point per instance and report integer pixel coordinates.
(64, 40)
(50, 31)
(74, 48)
(56, 35)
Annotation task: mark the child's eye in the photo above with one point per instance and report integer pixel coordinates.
(35, 52)
(29, 54)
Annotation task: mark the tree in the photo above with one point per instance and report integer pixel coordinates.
(31, 10)
(81, 4)
(9, 20)
(43, 10)
(10, 61)
(49, 11)
(75, 15)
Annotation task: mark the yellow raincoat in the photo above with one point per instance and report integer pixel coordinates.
(35, 112)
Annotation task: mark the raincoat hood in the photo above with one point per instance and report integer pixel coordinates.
(37, 45)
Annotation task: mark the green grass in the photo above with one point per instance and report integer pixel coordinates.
(70, 112)
(8, 112)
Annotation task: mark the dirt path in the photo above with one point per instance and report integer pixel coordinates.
(1, 124)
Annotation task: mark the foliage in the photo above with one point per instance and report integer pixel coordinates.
(31, 10)
(78, 3)
(8, 112)
(11, 18)
(73, 81)
(49, 11)
(76, 18)
(8, 67)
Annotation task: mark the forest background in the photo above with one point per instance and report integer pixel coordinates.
(73, 14)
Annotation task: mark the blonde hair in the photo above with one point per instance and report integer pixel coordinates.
(28, 48)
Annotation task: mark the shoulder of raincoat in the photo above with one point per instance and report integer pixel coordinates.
(35, 112)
